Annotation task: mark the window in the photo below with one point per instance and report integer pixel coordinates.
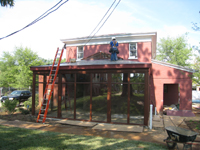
(133, 50)
(79, 52)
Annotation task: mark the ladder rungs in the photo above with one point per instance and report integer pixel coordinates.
(51, 81)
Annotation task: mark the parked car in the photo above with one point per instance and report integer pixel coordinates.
(21, 96)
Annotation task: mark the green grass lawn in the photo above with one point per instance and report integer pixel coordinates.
(25, 139)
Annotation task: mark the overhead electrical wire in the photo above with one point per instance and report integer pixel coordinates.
(102, 18)
(104, 21)
(40, 17)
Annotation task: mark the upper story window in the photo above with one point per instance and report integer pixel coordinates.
(79, 52)
(132, 50)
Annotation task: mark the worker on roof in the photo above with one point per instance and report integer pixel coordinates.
(113, 50)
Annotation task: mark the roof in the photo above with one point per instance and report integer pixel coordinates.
(173, 66)
(96, 64)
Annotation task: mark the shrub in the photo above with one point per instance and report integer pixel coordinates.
(29, 102)
(24, 111)
(10, 105)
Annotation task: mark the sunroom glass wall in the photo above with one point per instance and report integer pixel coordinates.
(119, 97)
(137, 98)
(83, 96)
(99, 97)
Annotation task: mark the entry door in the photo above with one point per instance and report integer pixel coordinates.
(170, 94)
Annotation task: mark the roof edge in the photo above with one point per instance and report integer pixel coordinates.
(173, 66)
(109, 36)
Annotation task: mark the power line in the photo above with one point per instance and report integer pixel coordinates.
(104, 21)
(107, 18)
(102, 18)
(39, 18)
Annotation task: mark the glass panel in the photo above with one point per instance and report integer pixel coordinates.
(118, 77)
(80, 49)
(118, 104)
(99, 102)
(83, 101)
(137, 104)
(53, 105)
(80, 55)
(124, 86)
(83, 78)
(99, 77)
(38, 97)
(70, 77)
(137, 77)
(133, 49)
(68, 101)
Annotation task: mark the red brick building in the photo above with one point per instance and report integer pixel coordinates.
(97, 89)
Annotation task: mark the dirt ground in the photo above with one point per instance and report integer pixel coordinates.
(147, 136)
(192, 124)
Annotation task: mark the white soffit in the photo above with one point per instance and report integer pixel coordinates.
(105, 39)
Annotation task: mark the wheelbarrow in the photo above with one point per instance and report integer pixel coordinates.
(180, 135)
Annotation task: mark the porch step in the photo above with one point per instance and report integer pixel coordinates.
(121, 128)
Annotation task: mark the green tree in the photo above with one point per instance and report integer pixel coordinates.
(7, 3)
(8, 69)
(196, 66)
(15, 69)
(174, 51)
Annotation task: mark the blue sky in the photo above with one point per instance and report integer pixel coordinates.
(78, 18)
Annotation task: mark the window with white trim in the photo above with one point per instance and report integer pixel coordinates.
(80, 52)
(132, 50)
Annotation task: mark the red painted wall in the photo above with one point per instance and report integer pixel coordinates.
(144, 51)
(71, 52)
(165, 75)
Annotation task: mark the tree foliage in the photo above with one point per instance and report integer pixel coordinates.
(196, 66)
(15, 69)
(174, 51)
(5, 3)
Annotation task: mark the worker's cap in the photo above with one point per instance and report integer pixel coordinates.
(113, 38)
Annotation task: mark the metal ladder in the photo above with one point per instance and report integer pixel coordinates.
(50, 86)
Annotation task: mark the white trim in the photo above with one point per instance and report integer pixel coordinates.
(77, 48)
(173, 66)
(105, 39)
(132, 57)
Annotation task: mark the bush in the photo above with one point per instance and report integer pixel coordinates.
(10, 105)
(29, 102)
(24, 111)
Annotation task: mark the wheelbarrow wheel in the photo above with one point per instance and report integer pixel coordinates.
(170, 145)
